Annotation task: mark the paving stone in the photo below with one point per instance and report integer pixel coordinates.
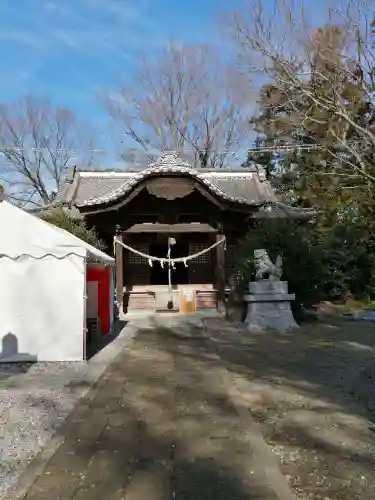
(153, 483)
(161, 426)
(57, 484)
(107, 473)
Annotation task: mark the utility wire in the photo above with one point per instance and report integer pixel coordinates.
(263, 149)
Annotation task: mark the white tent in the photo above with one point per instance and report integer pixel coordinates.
(42, 288)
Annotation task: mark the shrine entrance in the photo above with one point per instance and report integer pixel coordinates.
(151, 276)
(180, 274)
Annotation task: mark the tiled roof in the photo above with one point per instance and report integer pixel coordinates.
(96, 188)
(93, 188)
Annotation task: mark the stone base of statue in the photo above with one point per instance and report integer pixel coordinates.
(268, 306)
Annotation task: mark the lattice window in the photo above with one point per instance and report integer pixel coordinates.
(133, 258)
(198, 247)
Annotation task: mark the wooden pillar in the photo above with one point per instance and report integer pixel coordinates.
(220, 273)
(119, 257)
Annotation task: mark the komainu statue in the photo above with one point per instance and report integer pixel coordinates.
(264, 267)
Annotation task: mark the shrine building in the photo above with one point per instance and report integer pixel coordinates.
(197, 208)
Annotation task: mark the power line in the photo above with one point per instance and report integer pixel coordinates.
(16, 149)
(263, 149)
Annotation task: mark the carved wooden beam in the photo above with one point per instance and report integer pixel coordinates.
(209, 196)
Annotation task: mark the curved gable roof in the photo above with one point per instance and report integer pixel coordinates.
(95, 188)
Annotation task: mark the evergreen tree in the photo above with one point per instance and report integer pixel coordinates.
(300, 143)
(58, 217)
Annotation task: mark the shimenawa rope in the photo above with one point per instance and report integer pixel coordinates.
(151, 258)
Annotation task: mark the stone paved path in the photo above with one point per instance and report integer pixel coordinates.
(162, 425)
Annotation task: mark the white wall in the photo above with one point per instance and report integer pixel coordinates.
(42, 308)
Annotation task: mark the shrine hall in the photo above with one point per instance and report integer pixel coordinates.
(171, 227)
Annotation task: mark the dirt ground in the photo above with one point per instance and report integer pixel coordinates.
(314, 400)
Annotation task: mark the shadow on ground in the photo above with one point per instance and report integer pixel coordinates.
(10, 369)
(328, 359)
(161, 426)
(312, 393)
(96, 344)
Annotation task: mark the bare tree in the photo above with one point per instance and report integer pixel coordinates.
(38, 142)
(187, 100)
(326, 76)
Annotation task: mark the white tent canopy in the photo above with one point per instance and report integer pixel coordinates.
(25, 234)
(42, 288)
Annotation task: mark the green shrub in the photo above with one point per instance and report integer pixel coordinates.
(58, 217)
(319, 262)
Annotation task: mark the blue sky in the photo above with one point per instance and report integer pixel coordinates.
(69, 50)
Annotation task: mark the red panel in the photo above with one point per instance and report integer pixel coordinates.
(103, 276)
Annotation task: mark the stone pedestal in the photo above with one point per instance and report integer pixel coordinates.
(268, 306)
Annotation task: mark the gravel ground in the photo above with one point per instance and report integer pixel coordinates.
(312, 393)
(34, 400)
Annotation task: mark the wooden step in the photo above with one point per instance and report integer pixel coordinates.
(157, 299)
(141, 300)
(206, 299)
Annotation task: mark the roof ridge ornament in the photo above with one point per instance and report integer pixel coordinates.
(170, 159)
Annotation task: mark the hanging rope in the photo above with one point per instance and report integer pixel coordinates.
(151, 258)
